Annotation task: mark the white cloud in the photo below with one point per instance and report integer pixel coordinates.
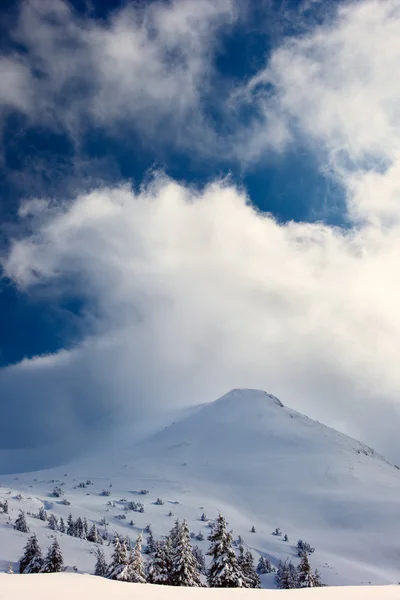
(196, 293)
(192, 293)
(145, 66)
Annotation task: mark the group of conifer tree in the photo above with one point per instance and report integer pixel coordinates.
(174, 561)
(33, 561)
(171, 561)
(290, 577)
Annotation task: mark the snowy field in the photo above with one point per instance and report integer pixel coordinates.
(259, 463)
(81, 587)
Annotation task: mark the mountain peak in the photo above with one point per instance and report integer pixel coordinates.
(250, 394)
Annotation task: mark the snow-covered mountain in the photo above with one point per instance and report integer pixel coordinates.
(253, 459)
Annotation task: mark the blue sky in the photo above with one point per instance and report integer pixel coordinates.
(216, 179)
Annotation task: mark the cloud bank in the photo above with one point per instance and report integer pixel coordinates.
(192, 292)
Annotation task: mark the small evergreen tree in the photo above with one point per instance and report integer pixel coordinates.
(160, 563)
(61, 526)
(20, 523)
(100, 568)
(118, 568)
(5, 507)
(136, 567)
(80, 529)
(93, 535)
(264, 566)
(53, 523)
(304, 548)
(184, 565)
(54, 562)
(150, 547)
(251, 578)
(199, 556)
(286, 576)
(42, 514)
(10, 569)
(224, 570)
(32, 559)
(306, 577)
(70, 525)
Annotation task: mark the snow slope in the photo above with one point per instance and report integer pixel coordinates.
(80, 587)
(258, 462)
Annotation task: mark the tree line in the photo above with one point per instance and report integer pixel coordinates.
(172, 560)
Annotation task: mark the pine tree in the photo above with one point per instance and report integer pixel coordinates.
(85, 528)
(160, 564)
(5, 507)
(136, 571)
(93, 535)
(118, 568)
(32, 560)
(42, 514)
(199, 556)
(53, 523)
(264, 566)
(306, 577)
(70, 525)
(10, 569)
(100, 568)
(54, 562)
(80, 529)
(184, 565)
(20, 523)
(61, 526)
(251, 578)
(150, 547)
(286, 576)
(224, 570)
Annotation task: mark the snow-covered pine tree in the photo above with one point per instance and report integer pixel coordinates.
(32, 559)
(306, 577)
(10, 569)
(184, 570)
(249, 572)
(53, 523)
(20, 523)
(42, 514)
(94, 536)
(70, 525)
(174, 534)
(224, 570)
(5, 507)
(136, 571)
(264, 566)
(286, 575)
(54, 562)
(199, 556)
(85, 527)
(80, 529)
(159, 566)
(100, 568)
(61, 526)
(118, 568)
(150, 544)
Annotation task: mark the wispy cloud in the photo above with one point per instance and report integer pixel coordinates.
(146, 66)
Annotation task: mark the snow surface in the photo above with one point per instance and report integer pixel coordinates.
(248, 456)
(63, 586)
